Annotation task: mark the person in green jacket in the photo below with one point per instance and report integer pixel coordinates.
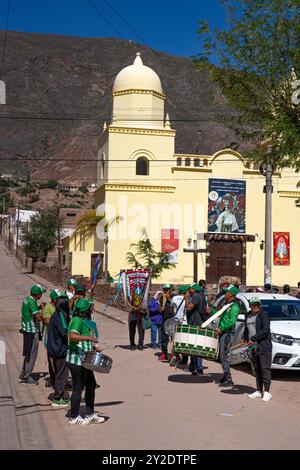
(225, 331)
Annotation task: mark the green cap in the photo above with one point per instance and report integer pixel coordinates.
(234, 290)
(80, 288)
(83, 305)
(36, 289)
(254, 300)
(63, 295)
(54, 294)
(167, 286)
(183, 289)
(195, 287)
(72, 282)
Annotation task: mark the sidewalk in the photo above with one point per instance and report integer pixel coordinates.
(9, 437)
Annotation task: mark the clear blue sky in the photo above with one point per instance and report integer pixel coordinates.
(166, 25)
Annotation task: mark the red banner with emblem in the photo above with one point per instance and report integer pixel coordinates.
(170, 243)
(281, 248)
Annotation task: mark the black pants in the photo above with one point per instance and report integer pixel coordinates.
(184, 359)
(262, 366)
(61, 374)
(133, 326)
(82, 377)
(51, 369)
(164, 339)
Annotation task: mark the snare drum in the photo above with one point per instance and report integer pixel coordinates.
(98, 362)
(196, 341)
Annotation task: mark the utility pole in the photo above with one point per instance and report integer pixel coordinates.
(9, 227)
(267, 170)
(18, 225)
(59, 245)
(3, 217)
(106, 257)
(195, 252)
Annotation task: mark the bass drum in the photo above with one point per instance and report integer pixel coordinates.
(97, 362)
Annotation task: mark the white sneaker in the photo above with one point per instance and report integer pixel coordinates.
(267, 396)
(256, 394)
(79, 420)
(94, 418)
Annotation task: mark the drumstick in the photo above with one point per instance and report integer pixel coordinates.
(216, 315)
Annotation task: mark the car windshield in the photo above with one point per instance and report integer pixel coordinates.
(281, 309)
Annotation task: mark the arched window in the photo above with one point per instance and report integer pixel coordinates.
(197, 162)
(142, 166)
(179, 161)
(187, 162)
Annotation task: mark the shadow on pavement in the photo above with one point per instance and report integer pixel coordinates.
(190, 379)
(238, 390)
(25, 407)
(82, 413)
(39, 375)
(109, 403)
(280, 375)
(286, 375)
(216, 377)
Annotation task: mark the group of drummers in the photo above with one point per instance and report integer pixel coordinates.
(169, 311)
(67, 327)
(183, 318)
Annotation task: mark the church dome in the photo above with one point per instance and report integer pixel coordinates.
(137, 77)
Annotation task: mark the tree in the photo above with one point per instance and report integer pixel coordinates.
(146, 257)
(254, 63)
(49, 184)
(5, 201)
(40, 237)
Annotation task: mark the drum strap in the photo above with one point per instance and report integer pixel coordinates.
(179, 307)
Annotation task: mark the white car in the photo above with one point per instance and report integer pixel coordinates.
(284, 314)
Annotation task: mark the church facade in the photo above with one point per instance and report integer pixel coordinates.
(214, 203)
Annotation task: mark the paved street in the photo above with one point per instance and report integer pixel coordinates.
(148, 404)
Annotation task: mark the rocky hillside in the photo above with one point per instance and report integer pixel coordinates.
(59, 94)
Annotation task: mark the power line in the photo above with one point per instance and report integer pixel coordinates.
(104, 18)
(84, 118)
(123, 19)
(151, 179)
(5, 37)
(126, 23)
(182, 156)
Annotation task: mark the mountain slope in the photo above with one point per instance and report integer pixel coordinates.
(59, 94)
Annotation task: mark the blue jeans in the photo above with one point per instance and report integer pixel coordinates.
(155, 331)
(196, 364)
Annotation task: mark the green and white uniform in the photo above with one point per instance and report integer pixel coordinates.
(29, 310)
(77, 349)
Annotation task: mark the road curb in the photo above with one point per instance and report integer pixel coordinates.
(9, 436)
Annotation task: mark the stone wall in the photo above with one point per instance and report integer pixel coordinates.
(104, 292)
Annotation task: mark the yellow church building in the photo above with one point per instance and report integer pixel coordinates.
(212, 202)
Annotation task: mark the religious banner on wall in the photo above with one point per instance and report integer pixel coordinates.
(170, 243)
(281, 247)
(226, 206)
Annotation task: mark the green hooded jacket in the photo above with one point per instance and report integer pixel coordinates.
(229, 317)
